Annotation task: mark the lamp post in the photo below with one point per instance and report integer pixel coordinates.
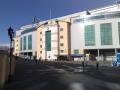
(11, 35)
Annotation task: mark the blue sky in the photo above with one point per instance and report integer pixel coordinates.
(16, 13)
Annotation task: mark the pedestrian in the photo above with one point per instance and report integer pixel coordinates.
(83, 65)
(97, 65)
(35, 60)
(39, 59)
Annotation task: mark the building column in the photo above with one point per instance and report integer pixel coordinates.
(98, 55)
(115, 52)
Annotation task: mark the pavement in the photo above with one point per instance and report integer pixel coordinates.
(62, 76)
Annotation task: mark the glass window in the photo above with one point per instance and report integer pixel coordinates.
(29, 42)
(40, 39)
(61, 44)
(28, 30)
(61, 37)
(61, 29)
(40, 52)
(76, 51)
(106, 34)
(24, 44)
(61, 51)
(119, 31)
(48, 40)
(21, 44)
(40, 46)
(115, 14)
(40, 32)
(90, 35)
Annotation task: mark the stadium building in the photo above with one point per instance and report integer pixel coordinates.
(94, 33)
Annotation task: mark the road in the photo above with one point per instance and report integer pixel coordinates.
(62, 76)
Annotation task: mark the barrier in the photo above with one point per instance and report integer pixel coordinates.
(5, 67)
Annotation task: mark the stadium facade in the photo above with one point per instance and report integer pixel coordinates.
(94, 32)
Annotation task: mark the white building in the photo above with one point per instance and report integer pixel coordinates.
(97, 32)
(27, 40)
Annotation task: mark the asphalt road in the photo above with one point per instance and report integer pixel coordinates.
(62, 76)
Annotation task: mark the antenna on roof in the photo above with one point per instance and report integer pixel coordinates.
(118, 3)
(35, 20)
(88, 13)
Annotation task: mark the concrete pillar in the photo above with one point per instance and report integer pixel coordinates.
(98, 55)
(4, 68)
(115, 51)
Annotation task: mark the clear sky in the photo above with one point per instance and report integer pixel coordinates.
(16, 13)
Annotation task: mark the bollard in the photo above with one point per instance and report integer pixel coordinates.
(13, 64)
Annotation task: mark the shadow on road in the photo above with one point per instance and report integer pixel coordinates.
(32, 76)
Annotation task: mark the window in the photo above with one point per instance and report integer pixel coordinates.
(24, 44)
(40, 32)
(61, 29)
(61, 44)
(40, 39)
(119, 31)
(89, 35)
(40, 46)
(29, 42)
(21, 44)
(61, 51)
(48, 40)
(61, 37)
(76, 51)
(40, 52)
(106, 34)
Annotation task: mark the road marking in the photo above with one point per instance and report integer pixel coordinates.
(56, 69)
(76, 86)
(76, 69)
(68, 66)
(44, 70)
(113, 86)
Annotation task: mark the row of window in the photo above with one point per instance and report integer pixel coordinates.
(23, 42)
(61, 29)
(106, 35)
(61, 37)
(48, 40)
(115, 14)
(62, 51)
(61, 44)
(105, 32)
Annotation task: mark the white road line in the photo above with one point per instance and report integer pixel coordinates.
(60, 70)
(76, 86)
(68, 66)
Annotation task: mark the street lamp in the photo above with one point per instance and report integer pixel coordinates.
(11, 35)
